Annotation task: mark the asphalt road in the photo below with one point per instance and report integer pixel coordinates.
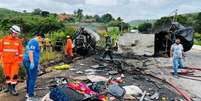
(144, 44)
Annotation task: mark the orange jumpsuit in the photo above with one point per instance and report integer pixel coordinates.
(69, 47)
(11, 53)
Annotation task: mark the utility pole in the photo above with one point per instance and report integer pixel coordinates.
(175, 16)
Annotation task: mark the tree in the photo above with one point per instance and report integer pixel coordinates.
(119, 19)
(37, 11)
(198, 23)
(119, 23)
(114, 23)
(78, 14)
(145, 27)
(45, 13)
(161, 22)
(125, 26)
(182, 20)
(107, 18)
(88, 17)
(97, 17)
(24, 11)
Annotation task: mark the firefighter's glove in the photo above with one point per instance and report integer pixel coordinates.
(31, 66)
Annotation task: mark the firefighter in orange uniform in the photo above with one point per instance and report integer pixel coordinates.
(69, 47)
(11, 53)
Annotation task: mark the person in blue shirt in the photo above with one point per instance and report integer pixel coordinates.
(31, 62)
(177, 56)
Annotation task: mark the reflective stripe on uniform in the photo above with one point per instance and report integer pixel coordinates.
(10, 50)
(6, 43)
(13, 81)
(21, 55)
(17, 44)
(8, 81)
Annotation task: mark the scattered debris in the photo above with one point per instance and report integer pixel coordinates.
(98, 66)
(95, 66)
(80, 78)
(46, 97)
(155, 96)
(116, 91)
(143, 95)
(130, 97)
(95, 78)
(112, 72)
(176, 87)
(133, 90)
(61, 67)
(82, 64)
(72, 69)
(92, 71)
(79, 72)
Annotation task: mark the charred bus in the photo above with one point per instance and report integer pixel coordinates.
(167, 35)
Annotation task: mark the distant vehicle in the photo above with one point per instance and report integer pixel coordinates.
(166, 36)
(134, 31)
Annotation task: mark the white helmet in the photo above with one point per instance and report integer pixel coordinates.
(15, 29)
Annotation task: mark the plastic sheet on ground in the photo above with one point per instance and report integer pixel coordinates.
(94, 78)
(133, 90)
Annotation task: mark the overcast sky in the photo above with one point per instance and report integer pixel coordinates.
(127, 9)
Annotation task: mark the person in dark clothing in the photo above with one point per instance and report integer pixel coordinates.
(108, 48)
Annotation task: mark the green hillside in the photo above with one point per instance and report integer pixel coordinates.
(30, 22)
(138, 22)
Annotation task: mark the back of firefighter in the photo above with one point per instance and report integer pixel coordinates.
(11, 53)
(108, 47)
(69, 47)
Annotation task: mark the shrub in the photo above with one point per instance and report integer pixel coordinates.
(48, 56)
(197, 36)
(2, 78)
(145, 27)
(197, 40)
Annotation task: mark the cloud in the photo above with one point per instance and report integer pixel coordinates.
(71, 2)
(187, 8)
(102, 2)
(127, 9)
(107, 2)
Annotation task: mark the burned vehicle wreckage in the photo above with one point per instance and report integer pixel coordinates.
(85, 41)
(166, 35)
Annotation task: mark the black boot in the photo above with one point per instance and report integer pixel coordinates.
(8, 88)
(13, 90)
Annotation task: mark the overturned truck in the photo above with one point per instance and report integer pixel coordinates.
(85, 41)
(166, 36)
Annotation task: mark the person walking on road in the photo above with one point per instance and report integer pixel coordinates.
(31, 62)
(177, 55)
(11, 54)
